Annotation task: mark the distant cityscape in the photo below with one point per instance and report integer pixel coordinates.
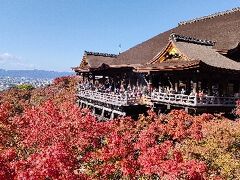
(8, 82)
(36, 78)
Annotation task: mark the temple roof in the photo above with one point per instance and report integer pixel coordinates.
(170, 66)
(222, 28)
(209, 16)
(188, 39)
(207, 55)
(100, 54)
(93, 60)
(97, 59)
(191, 52)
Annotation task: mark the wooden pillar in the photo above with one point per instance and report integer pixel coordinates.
(236, 87)
(93, 78)
(225, 84)
(104, 79)
(188, 86)
(83, 75)
(209, 88)
(203, 85)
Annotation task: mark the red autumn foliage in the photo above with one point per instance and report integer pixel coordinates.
(55, 161)
(49, 124)
(51, 138)
(6, 156)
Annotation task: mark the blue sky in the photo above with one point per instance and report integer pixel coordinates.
(52, 34)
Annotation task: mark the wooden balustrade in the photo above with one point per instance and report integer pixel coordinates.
(180, 99)
(108, 98)
(216, 101)
(189, 100)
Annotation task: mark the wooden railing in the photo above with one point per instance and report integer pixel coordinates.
(180, 99)
(109, 98)
(189, 100)
(174, 98)
(216, 101)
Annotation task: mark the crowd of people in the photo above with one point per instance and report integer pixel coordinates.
(131, 91)
(138, 91)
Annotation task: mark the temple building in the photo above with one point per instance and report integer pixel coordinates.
(195, 66)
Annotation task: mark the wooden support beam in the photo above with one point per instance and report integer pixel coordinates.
(83, 77)
(93, 78)
(188, 86)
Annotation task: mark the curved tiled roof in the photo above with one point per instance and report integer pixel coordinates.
(178, 37)
(222, 29)
(207, 55)
(209, 16)
(193, 53)
(169, 66)
(100, 54)
(93, 60)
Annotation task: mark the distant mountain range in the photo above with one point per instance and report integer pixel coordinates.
(33, 73)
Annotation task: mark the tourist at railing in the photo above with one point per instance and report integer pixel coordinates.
(136, 94)
(192, 93)
(132, 93)
(183, 91)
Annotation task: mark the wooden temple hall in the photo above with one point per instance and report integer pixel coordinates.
(194, 66)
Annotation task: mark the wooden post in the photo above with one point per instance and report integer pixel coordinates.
(83, 75)
(225, 84)
(104, 79)
(209, 87)
(93, 78)
(235, 87)
(188, 87)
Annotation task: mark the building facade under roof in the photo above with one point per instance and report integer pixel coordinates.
(200, 57)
